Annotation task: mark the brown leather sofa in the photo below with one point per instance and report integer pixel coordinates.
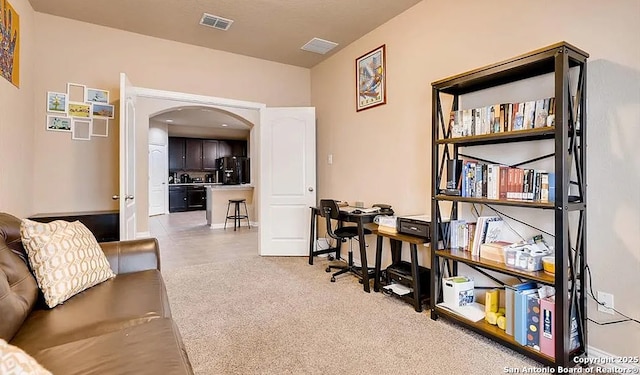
(121, 326)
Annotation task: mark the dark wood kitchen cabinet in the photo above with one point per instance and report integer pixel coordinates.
(176, 153)
(193, 153)
(209, 154)
(232, 148)
(177, 198)
(238, 148)
(224, 148)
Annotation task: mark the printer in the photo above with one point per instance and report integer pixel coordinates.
(419, 226)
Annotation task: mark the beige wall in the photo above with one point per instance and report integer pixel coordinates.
(383, 154)
(85, 174)
(16, 124)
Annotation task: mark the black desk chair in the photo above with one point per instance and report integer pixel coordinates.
(329, 210)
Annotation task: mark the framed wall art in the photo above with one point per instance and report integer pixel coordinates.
(102, 110)
(97, 96)
(58, 123)
(56, 102)
(77, 109)
(371, 85)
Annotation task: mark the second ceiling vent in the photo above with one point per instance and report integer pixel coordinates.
(216, 22)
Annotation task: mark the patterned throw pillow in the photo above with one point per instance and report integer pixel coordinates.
(65, 258)
(13, 361)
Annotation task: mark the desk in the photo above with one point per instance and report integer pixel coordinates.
(361, 220)
(396, 240)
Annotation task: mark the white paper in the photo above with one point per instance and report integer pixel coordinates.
(473, 312)
(398, 289)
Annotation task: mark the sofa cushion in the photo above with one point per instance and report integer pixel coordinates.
(10, 233)
(126, 300)
(13, 361)
(65, 258)
(18, 292)
(154, 347)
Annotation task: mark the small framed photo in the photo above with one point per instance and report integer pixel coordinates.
(371, 83)
(79, 109)
(99, 127)
(97, 96)
(76, 92)
(58, 123)
(56, 102)
(81, 129)
(102, 110)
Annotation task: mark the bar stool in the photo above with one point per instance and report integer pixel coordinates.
(236, 213)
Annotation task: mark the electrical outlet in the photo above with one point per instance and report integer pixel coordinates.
(607, 299)
(330, 159)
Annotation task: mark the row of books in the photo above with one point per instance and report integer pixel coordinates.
(469, 236)
(493, 181)
(500, 118)
(530, 317)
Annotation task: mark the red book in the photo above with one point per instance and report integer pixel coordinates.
(547, 326)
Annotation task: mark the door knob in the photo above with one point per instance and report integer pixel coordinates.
(128, 197)
(115, 197)
(310, 189)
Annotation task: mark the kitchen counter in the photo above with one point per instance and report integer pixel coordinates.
(218, 197)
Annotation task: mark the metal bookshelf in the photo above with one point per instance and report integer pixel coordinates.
(569, 137)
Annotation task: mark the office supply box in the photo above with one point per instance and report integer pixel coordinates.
(458, 291)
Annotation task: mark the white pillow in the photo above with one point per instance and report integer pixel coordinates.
(65, 257)
(14, 361)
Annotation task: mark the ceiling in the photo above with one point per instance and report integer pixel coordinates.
(201, 116)
(273, 30)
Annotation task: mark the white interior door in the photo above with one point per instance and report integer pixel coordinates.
(157, 179)
(287, 180)
(127, 159)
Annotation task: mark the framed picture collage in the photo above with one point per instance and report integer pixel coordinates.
(82, 111)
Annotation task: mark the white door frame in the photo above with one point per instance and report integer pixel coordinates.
(222, 103)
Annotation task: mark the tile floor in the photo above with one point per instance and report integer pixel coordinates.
(186, 239)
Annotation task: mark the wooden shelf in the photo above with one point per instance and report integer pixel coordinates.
(513, 136)
(502, 202)
(494, 332)
(466, 257)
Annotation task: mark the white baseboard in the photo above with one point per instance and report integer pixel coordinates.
(607, 360)
(143, 235)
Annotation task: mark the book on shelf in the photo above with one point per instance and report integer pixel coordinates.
(547, 326)
(481, 232)
(529, 113)
(520, 315)
(544, 187)
(551, 117)
(541, 113)
(510, 303)
(532, 321)
(518, 116)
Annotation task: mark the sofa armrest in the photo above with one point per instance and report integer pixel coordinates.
(132, 255)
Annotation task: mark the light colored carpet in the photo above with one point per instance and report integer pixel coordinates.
(256, 315)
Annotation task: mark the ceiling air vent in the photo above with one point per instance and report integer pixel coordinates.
(216, 22)
(318, 45)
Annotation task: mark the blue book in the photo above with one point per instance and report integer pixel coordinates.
(520, 315)
(510, 291)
